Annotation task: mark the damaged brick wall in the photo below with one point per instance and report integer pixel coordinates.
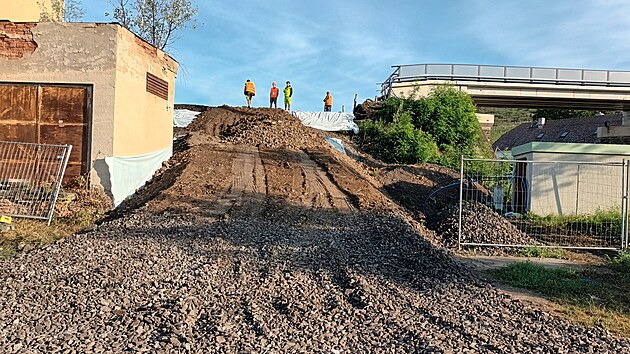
(16, 40)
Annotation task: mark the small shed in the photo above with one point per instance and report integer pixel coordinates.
(96, 86)
(570, 178)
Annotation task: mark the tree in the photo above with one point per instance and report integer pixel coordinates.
(74, 11)
(155, 21)
(71, 12)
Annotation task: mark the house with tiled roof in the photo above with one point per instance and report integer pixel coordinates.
(567, 166)
(572, 130)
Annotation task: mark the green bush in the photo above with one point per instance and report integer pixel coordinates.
(449, 116)
(371, 134)
(409, 130)
(389, 109)
(398, 142)
(403, 143)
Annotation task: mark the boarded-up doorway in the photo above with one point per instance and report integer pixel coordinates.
(49, 114)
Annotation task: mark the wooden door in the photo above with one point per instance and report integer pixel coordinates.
(18, 113)
(63, 120)
(48, 114)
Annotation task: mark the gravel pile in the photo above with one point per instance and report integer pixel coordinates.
(273, 128)
(271, 279)
(480, 224)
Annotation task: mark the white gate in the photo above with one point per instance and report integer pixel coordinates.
(30, 178)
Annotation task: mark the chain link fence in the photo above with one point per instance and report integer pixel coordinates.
(544, 203)
(30, 178)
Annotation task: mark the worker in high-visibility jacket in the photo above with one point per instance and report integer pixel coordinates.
(288, 93)
(249, 91)
(273, 96)
(328, 102)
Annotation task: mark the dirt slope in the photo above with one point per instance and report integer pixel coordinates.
(260, 238)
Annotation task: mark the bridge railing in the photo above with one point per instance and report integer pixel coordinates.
(508, 74)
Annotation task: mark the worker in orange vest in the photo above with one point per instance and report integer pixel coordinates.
(249, 91)
(273, 96)
(328, 102)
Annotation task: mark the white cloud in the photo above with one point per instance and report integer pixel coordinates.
(591, 34)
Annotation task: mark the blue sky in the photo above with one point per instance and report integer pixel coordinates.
(348, 46)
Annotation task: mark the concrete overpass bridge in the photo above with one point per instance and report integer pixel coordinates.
(517, 86)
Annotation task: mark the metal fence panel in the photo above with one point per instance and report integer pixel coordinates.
(30, 178)
(546, 203)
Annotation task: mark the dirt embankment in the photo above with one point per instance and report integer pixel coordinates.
(259, 237)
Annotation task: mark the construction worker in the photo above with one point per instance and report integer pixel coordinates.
(288, 93)
(328, 102)
(249, 91)
(273, 96)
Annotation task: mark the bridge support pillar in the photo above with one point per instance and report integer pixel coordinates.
(624, 118)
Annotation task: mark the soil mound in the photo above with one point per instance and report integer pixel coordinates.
(272, 128)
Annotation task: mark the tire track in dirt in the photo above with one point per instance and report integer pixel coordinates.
(248, 183)
(321, 192)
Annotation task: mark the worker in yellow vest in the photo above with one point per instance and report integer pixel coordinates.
(249, 91)
(288, 93)
(273, 96)
(328, 102)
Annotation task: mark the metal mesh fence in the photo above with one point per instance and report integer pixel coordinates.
(30, 178)
(543, 203)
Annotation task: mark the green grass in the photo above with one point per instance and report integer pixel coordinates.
(601, 223)
(590, 298)
(555, 282)
(544, 252)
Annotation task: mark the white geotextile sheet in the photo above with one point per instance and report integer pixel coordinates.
(337, 144)
(328, 121)
(129, 173)
(183, 117)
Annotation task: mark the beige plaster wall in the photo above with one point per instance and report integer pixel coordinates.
(566, 189)
(22, 10)
(74, 53)
(143, 121)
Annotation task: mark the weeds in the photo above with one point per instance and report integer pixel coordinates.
(621, 262)
(590, 298)
(544, 252)
(601, 223)
(76, 209)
